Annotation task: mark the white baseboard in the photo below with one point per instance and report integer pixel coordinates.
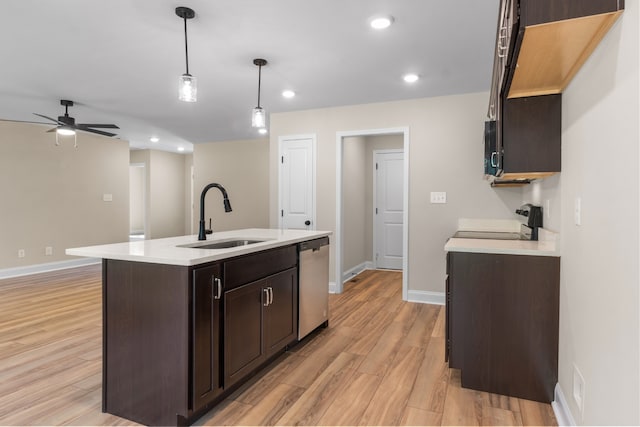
(426, 297)
(561, 408)
(50, 266)
(348, 275)
(333, 288)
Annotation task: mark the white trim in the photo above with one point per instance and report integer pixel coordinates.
(375, 197)
(50, 266)
(561, 408)
(427, 297)
(281, 140)
(333, 288)
(339, 225)
(348, 275)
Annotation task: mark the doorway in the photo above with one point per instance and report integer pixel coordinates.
(342, 178)
(137, 191)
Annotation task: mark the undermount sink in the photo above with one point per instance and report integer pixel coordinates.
(223, 244)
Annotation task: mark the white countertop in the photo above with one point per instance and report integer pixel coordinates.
(547, 245)
(166, 251)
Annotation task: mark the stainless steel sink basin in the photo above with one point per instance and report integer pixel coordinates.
(222, 244)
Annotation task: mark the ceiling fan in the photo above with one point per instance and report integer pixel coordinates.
(66, 125)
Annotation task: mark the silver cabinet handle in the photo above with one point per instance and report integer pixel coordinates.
(218, 284)
(494, 164)
(266, 297)
(270, 295)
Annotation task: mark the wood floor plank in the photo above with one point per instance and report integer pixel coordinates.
(536, 413)
(420, 417)
(320, 394)
(388, 403)
(272, 407)
(430, 390)
(347, 409)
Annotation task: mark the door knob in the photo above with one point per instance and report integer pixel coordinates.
(307, 222)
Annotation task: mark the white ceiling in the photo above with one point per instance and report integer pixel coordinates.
(120, 60)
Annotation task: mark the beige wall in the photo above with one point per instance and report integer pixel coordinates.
(53, 195)
(164, 198)
(242, 168)
(137, 178)
(446, 152)
(189, 200)
(354, 202)
(599, 289)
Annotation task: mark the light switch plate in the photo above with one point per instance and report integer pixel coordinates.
(438, 197)
(107, 197)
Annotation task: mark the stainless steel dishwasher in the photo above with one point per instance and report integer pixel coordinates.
(313, 307)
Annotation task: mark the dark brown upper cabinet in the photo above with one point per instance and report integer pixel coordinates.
(551, 41)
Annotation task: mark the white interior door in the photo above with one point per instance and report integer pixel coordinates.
(297, 183)
(388, 222)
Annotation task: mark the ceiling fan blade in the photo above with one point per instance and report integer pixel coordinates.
(99, 132)
(53, 129)
(96, 125)
(49, 118)
(25, 121)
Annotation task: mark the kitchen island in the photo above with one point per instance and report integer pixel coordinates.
(184, 325)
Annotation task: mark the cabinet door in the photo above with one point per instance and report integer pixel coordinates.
(281, 315)
(531, 129)
(243, 326)
(205, 329)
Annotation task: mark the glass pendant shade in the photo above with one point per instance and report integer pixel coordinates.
(188, 88)
(258, 119)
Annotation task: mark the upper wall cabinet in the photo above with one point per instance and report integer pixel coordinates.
(551, 40)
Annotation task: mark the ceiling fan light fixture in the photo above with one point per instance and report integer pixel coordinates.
(258, 116)
(188, 84)
(65, 131)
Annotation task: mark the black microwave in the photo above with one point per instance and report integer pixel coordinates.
(491, 156)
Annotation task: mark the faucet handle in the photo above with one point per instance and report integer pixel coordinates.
(210, 230)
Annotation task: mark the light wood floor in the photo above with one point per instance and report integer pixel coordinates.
(380, 362)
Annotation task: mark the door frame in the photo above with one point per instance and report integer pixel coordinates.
(339, 244)
(375, 202)
(281, 141)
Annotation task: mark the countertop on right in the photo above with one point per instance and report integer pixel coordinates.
(547, 245)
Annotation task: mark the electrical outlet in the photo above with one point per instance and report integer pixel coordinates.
(21, 253)
(438, 197)
(577, 211)
(578, 389)
(48, 251)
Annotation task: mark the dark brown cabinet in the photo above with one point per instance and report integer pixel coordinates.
(206, 315)
(260, 321)
(531, 135)
(502, 322)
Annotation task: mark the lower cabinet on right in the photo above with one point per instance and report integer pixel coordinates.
(502, 322)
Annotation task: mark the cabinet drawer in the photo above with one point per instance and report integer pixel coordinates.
(252, 267)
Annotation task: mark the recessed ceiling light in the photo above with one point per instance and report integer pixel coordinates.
(180, 148)
(288, 93)
(262, 131)
(410, 78)
(381, 22)
(154, 139)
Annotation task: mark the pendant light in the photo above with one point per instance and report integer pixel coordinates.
(258, 118)
(188, 88)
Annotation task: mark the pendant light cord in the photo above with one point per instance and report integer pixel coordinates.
(186, 46)
(259, 80)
